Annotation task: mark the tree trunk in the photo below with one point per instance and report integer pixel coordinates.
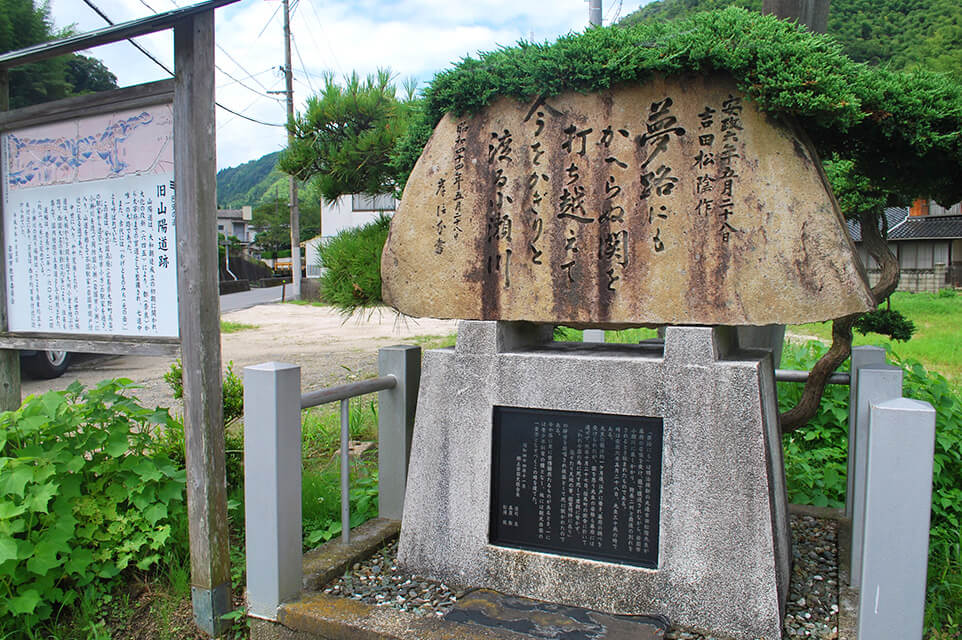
(812, 13)
(799, 415)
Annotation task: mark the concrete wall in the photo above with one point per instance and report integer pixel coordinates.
(917, 280)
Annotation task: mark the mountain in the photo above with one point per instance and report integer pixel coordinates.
(246, 184)
(902, 34)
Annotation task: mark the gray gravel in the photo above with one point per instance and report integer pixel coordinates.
(812, 601)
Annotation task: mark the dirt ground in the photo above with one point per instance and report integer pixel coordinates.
(328, 348)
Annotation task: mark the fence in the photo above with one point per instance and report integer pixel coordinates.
(891, 444)
(272, 464)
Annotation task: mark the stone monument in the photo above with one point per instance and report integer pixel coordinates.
(631, 479)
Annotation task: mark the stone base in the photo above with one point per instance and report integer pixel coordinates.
(724, 543)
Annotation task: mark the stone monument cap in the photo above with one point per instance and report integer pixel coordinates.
(673, 202)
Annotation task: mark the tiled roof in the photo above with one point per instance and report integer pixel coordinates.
(230, 214)
(893, 215)
(928, 227)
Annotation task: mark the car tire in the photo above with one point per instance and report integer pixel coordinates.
(47, 364)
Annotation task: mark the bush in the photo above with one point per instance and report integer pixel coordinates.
(233, 389)
(353, 260)
(84, 495)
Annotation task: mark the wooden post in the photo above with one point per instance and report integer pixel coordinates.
(9, 358)
(195, 198)
(811, 13)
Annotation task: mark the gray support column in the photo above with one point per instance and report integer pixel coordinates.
(876, 383)
(861, 356)
(898, 501)
(593, 335)
(396, 425)
(272, 485)
(770, 337)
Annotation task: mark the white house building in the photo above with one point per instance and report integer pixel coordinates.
(345, 213)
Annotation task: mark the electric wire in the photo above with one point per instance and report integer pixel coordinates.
(100, 13)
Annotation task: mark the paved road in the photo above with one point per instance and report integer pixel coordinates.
(245, 299)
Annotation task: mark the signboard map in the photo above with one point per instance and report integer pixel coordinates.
(89, 225)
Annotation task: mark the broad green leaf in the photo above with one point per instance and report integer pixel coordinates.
(44, 558)
(39, 496)
(8, 548)
(79, 560)
(52, 401)
(155, 513)
(147, 470)
(117, 443)
(14, 480)
(10, 510)
(25, 603)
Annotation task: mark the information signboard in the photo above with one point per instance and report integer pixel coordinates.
(89, 225)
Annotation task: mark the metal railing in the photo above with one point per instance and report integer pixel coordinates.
(343, 393)
(272, 463)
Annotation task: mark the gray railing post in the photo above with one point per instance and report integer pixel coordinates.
(396, 425)
(593, 335)
(272, 485)
(876, 383)
(898, 500)
(861, 356)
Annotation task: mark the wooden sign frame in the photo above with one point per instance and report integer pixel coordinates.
(192, 90)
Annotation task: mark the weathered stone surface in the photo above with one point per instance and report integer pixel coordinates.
(545, 621)
(676, 202)
(724, 546)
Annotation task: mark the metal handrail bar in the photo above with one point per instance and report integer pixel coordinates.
(344, 393)
(794, 375)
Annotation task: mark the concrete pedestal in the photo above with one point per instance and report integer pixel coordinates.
(724, 544)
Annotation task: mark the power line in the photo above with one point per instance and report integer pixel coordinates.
(100, 13)
(303, 66)
(320, 26)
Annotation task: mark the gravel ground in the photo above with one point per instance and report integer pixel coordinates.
(812, 601)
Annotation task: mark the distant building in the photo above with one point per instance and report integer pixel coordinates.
(346, 212)
(236, 223)
(927, 240)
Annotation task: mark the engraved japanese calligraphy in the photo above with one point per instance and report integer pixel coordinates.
(673, 202)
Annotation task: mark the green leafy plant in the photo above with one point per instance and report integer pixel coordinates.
(84, 495)
(352, 280)
(233, 389)
(815, 457)
(322, 503)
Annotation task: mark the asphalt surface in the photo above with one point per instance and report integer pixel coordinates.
(252, 298)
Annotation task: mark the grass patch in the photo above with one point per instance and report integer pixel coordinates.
(936, 341)
(307, 303)
(623, 336)
(226, 326)
(433, 342)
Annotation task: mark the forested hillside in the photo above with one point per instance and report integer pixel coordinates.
(902, 34)
(247, 183)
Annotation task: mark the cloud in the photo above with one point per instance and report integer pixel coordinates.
(415, 38)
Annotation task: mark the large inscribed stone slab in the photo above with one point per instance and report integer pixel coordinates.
(676, 202)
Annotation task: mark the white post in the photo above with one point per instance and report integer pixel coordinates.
(898, 502)
(396, 425)
(861, 356)
(593, 335)
(876, 383)
(272, 485)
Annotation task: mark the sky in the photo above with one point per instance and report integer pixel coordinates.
(414, 38)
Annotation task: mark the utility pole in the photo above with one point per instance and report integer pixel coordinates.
(594, 13)
(292, 183)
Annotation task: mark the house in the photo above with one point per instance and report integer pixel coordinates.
(345, 213)
(236, 223)
(927, 240)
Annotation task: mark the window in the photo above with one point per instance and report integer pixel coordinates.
(366, 202)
